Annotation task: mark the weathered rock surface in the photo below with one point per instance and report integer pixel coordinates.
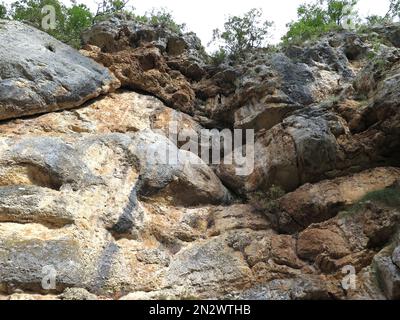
(322, 201)
(145, 69)
(388, 274)
(39, 74)
(119, 112)
(92, 197)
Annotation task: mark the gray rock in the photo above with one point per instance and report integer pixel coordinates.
(31, 204)
(305, 288)
(168, 171)
(209, 265)
(45, 161)
(40, 74)
(25, 261)
(50, 260)
(390, 32)
(107, 36)
(296, 79)
(300, 149)
(262, 116)
(388, 274)
(396, 257)
(313, 132)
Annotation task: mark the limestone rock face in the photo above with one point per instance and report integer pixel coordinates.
(164, 167)
(103, 199)
(300, 149)
(40, 74)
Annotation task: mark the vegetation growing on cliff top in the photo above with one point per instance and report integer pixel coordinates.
(320, 17)
(240, 33)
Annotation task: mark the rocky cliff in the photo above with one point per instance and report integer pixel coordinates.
(85, 191)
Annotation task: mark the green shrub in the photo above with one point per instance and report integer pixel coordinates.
(78, 18)
(218, 57)
(107, 8)
(318, 18)
(161, 18)
(31, 11)
(375, 20)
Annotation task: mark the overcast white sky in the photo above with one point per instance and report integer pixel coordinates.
(202, 16)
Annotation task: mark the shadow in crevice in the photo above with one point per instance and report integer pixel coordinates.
(127, 220)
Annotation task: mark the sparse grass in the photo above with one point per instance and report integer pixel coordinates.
(389, 197)
(267, 201)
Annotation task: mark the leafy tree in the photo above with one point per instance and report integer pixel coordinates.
(312, 20)
(31, 11)
(3, 11)
(320, 17)
(339, 11)
(242, 33)
(394, 9)
(70, 22)
(77, 19)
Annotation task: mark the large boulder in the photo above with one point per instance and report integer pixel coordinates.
(39, 74)
(169, 172)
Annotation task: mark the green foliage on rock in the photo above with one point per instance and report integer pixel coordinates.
(107, 8)
(161, 18)
(72, 20)
(320, 17)
(242, 33)
(389, 197)
(218, 57)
